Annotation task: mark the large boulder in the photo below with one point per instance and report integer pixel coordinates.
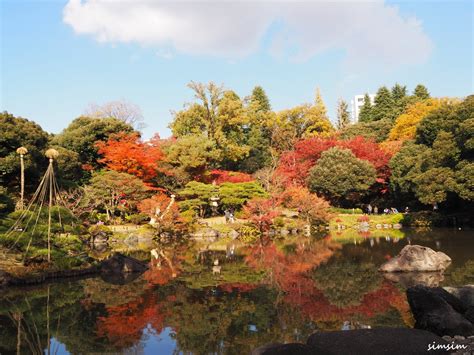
(464, 293)
(438, 311)
(409, 279)
(122, 263)
(417, 258)
(378, 341)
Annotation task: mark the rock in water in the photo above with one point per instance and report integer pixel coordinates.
(409, 279)
(119, 263)
(464, 293)
(417, 258)
(438, 311)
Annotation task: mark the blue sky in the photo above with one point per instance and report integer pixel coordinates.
(57, 57)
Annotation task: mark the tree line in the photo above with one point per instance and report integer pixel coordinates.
(411, 150)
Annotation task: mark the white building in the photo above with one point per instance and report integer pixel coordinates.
(356, 104)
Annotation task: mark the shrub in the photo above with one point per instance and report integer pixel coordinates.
(423, 219)
(137, 218)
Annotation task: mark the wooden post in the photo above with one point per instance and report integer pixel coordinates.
(22, 151)
(50, 170)
(51, 154)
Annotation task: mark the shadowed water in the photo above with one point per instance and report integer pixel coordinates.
(279, 290)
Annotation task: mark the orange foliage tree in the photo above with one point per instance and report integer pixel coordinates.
(162, 209)
(127, 153)
(313, 208)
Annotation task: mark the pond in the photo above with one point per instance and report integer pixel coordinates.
(229, 298)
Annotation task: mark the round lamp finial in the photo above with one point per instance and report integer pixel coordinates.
(51, 153)
(22, 151)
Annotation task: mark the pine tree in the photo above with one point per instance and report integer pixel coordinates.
(383, 105)
(399, 92)
(365, 114)
(421, 92)
(400, 100)
(260, 99)
(343, 118)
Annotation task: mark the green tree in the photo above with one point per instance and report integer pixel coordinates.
(190, 156)
(257, 133)
(376, 130)
(405, 166)
(69, 171)
(235, 195)
(455, 117)
(6, 202)
(438, 169)
(197, 196)
(259, 100)
(18, 132)
(365, 114)
(400, 99)
(421, 92)
(464, 180)
(220, 115)
(383, 105)
(113, 192)
(82, 134)
(343, 117)
(341, 176)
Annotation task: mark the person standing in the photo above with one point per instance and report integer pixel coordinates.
(369, 209)
(376, 210)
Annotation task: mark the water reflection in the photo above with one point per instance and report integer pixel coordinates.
(277, 290)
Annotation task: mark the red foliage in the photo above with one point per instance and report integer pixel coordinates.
(261, 212)
(290, 274)
(294, 166)
(363, 218)
(222, 176)
(127, 153)
(123, 326)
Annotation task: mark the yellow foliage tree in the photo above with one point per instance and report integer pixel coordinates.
(405, 124)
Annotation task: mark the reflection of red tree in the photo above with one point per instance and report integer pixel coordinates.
(166, 268)
(158, 275)
(283, 267)
(316, 306)
(289, 273)
(123, 326)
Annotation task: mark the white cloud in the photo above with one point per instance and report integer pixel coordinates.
(368, 32)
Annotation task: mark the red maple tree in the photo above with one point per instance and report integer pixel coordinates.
(294, 165)
(127, 153)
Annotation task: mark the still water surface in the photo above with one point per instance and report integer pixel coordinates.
(275, 291)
